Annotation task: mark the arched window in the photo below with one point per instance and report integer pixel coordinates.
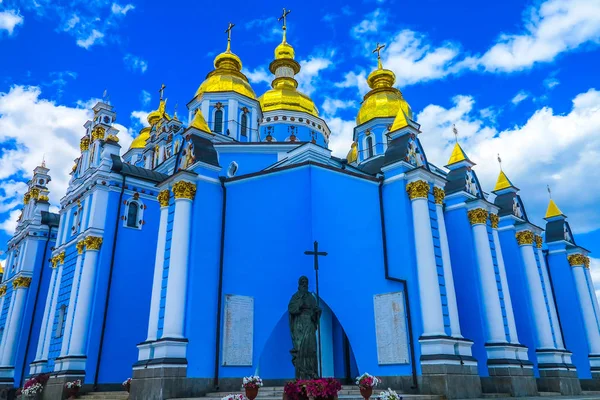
(60, 321)
(218, 127)
(132, 214)
(244, 123)
(369, 146)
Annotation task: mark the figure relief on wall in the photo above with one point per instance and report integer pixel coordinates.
(414, 154)
(517, 211)
(188, 156)
(471, 184)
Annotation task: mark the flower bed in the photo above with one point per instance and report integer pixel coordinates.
(33, 386)
(319, 389)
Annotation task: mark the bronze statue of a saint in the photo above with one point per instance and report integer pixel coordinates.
(304, 319)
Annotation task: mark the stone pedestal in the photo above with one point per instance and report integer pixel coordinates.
(454, 381)
(55, 388)
(517, 381)
(562, 381)
(165, 379)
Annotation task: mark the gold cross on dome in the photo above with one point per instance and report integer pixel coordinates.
(162, 90)
(377, 50)
(228, 32)
(284, 17)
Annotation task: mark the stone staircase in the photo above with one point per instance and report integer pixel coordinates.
(105, 396)
(347, 393)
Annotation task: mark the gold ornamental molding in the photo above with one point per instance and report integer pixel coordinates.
(98, 133)
(34, 193)
(576, 260)
(26, 198)
(439, 194)
(84, 144)
(538, 241)
(43, 198)
(418, 190)
(184, 190)
(477, 216)
(58, 259)
(80, 245)
(93, 243)
(586, 262)
(21, 282)
(2, 290)
(524, 238)
(494, 220)
(163, 198)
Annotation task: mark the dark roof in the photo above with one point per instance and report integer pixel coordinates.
(136, 172)
(505, 202)
(555, 231)
(398, 149)
(373, 166)
(50, 219)
(204, 150)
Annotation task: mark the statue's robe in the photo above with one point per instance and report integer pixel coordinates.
(304, 317)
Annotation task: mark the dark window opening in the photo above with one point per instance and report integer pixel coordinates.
(132, 215)
(244, 122)
(369, 146)
(218, 121)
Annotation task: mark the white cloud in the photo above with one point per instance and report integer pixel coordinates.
(118, 9)
(10, 224)
(140, 117)
(71, 23)
(145, 97)
(341, 135)
(550, 83)
(33, 128)
(267, 29)
(553, 27)
(330, 106)
(519, 97)
(309, 73)
(371, 24)
(9, 20)
(352, 79)
(135, 63)
(258, 75)
(93, 38)
(560, 150)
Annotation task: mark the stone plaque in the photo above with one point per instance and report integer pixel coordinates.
(390, 328)
(238, 330)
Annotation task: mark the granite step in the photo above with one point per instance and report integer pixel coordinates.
(105, 396)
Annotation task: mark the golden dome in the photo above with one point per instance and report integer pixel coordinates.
(353, 153)
(140, 141)
(384, 100)
(157, 115)
(227, 77)
(284, 50)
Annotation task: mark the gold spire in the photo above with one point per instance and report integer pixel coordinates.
(384, 100)
(227, 75)
(458, 153)
(200, 123)
(400, 121)
(553, 210)
(503, 182)
(157, 115)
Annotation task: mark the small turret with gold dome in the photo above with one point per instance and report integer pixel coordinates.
(226, 100)
(288, 114)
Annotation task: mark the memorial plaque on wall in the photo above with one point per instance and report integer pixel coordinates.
(390, 328)
(238, 330)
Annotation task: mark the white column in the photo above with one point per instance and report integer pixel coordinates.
(487, 276)
(577, 262)
(448, 277)
(510, 315)
(83, 311)
(549, 295)
(64, 349)
(47, 310)
(429, 288)
(2, 298)
(536, 294)
(174, 321)
(592, 293)
(159, 262)
(52, 312)
(7, 324)
(21, 285)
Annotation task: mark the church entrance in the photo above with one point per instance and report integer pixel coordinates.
(337, 358)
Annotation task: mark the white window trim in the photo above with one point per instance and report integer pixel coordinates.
(140, 215)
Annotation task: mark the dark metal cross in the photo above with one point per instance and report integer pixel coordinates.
(228, 32)
(316, 253)
(162, 90)
(284, 17)
(377, 50)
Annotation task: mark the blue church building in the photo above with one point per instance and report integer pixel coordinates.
(173, 261)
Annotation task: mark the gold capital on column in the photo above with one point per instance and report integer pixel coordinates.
(418, 190)
(84, 144)
(439, 194)
(586, 262)
(184, 190)
(93, 243)
(21, 282)
(26, 198)
(163, 198)
(80, 245)
(494, 220)
(2, 290)
(477, 216)
(98, 133)
(538, 241)
(524, 238)
(576, 260)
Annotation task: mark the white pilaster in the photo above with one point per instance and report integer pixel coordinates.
(158, 270)
(81, 320)
(52, 312)
(174, 320)
(429, 289)
(550, 295)
(47, 311)
(487, 278)
(12, 331)
(585, 299)
(593, 294)
(232, 119)
(510, 315)
(64, 349)
(540, 317)
(449, 279)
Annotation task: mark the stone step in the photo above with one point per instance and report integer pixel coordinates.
(105, 396)
(547, 394)
(495, 395)
(214, 396)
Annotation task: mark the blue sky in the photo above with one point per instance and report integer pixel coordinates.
(519, 78)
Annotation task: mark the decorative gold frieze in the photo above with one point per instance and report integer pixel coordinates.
(80, 245)
(26, 198)
(93, 243)
(84, 145)
(98, 133)
(21, 282)
(34, 193)
(538, 241)
(576, 260)
(494, 220)
(184, 190)
(163, 198)
(418, 190)
(524, 238)
(2, 290)
(43, 197)
(477, 216)
(439, 195)
(113, 138)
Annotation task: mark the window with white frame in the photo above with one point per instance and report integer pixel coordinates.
(133, 215)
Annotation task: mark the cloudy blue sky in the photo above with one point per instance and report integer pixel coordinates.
(519, 78)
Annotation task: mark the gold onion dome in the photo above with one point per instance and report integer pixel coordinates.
(227, 75)
(383, 100)
(140, 141)
(284, 94)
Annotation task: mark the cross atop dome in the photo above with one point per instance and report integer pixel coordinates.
(284, 19)
(228, 32)
(377, 50)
